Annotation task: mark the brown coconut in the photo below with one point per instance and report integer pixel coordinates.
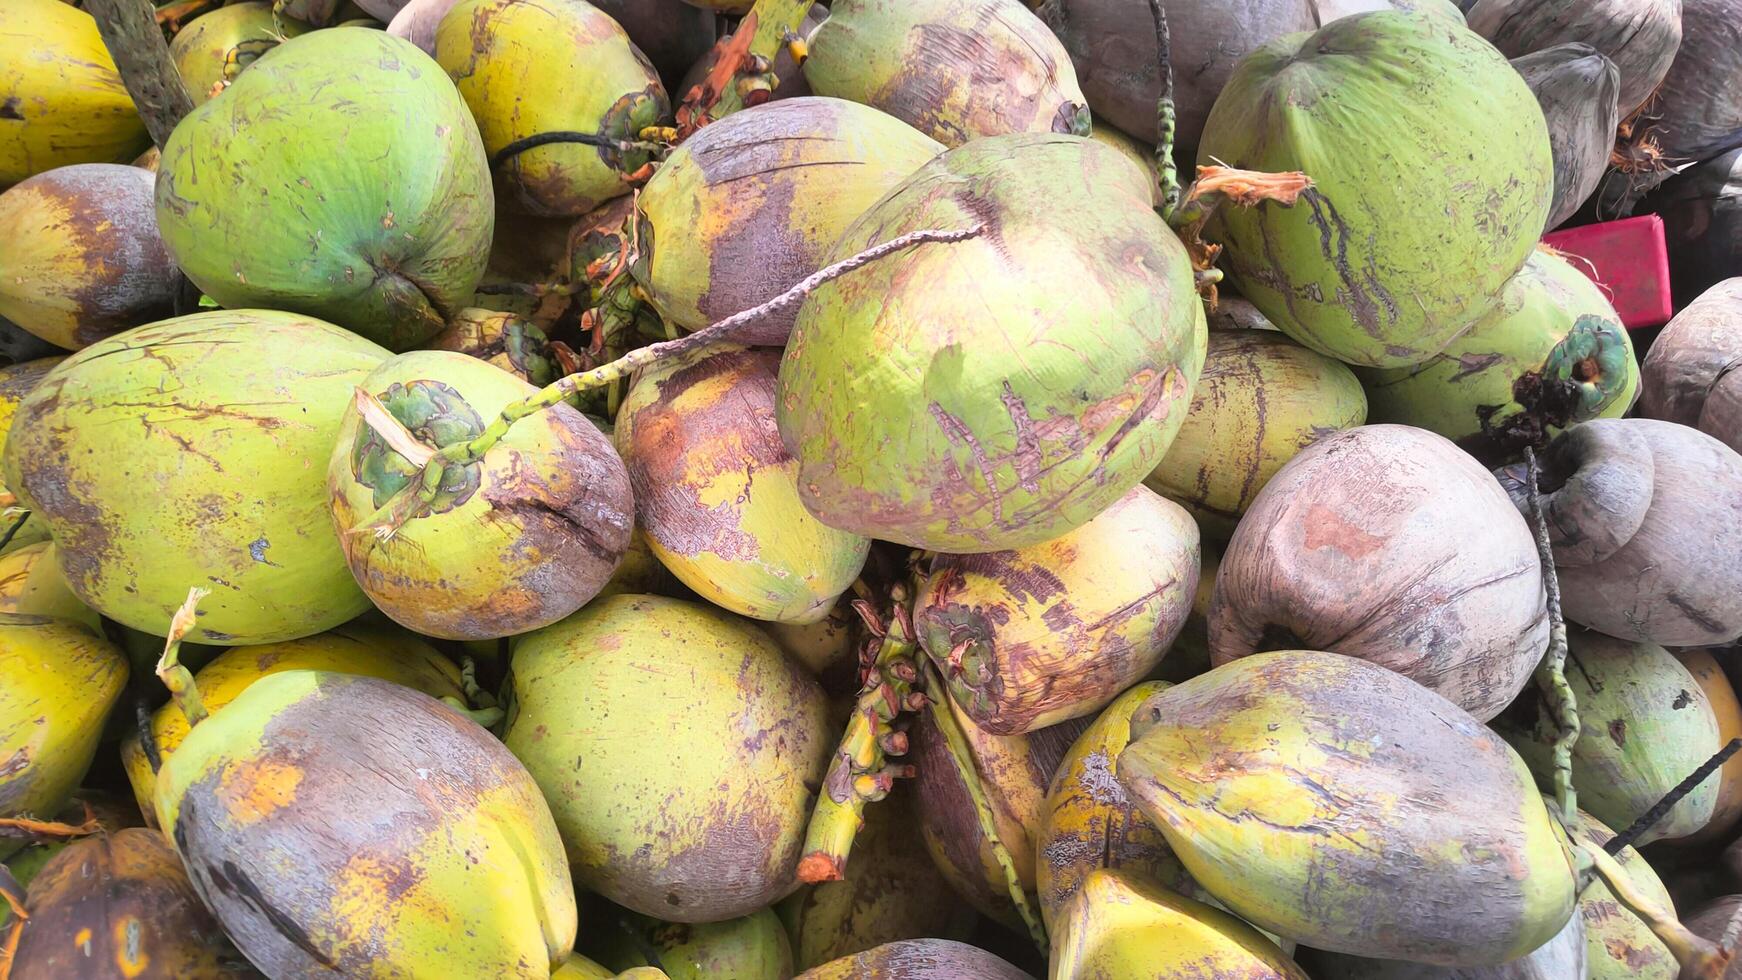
(1693, 371)
(1640, 36)
(1577, 87)
(1645, 518)
(1390, 544)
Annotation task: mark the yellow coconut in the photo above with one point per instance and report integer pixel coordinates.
(61, 99)
(1261, 399)
(355, 648)
(717, 494)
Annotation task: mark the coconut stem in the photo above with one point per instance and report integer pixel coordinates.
(25, 827)
(418, 495)
(1699, 957)
(943, 714)
(741, 76)
(135, 41)
(860, 772)
(13, 893)
(1167, 172)
(1649, 818)
(169, 669)
(12, 531)
(1551, 673)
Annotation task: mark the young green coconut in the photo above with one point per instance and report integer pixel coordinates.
(957, 70)
(576, 144)
(752, 204)
(31, 584)
(61, 682)
(17, 381)
(216, 46)
(750, 947)
(1410, 231)
(1553, 353)
(1293, 785)
(1119, 924)
(1645, 725)
(513, 542)
(409, 825)
(717, 494)
(1054, 631)
(180, 451)
(322, 202)
(65, 100)
(1262, 398)
(83, 257)
(120, 905)
(678, 748)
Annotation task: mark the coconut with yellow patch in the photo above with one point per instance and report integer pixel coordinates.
(83, 257)
(1293, 785)
(1260, 400)
(1721, 698)
(716, 493)
(679, 750)
(1119, 924)
(61, 99)
(410, 825)
(212, 49)
(955, 70)
(358, 648)
(510, 543)
(31, 583)
(17, 381)
(187, 451)
(1039, 635)
(61, 683)
(119, 905)
(591, 80)
(752, 204)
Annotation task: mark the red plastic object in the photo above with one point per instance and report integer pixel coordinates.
(1628, 259)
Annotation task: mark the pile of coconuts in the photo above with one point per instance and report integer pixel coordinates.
(756, 489)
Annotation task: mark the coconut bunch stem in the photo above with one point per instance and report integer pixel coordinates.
(1551, 673)
(1700, 958)
(860, 772)
(1166, 170)
(743, 76)
(177, 678)
(417, 496)
(962, 754)
(13, 894)
(16, 827)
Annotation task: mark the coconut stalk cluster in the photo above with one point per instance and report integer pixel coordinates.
(754, 489)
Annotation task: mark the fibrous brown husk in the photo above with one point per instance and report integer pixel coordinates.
(1640, 36)
(1693, 372)
(1112, 44)
(1390, 544)
(1645, 518)
(1702, 223)
(1577, 87)
(1697, 112)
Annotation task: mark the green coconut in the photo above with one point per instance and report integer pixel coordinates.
(17, 381)
(957, 70)
(1295, 785)
(1554, 352)
(996, 392)
(214, 48)
(340, 176)
(750, 947)
(1645, 723)
(185, 453)
(1432, 179)
(587, 77)
(679, 749)
(513, 542)
(748, 206)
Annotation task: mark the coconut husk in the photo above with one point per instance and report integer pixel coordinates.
(1578, 88)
